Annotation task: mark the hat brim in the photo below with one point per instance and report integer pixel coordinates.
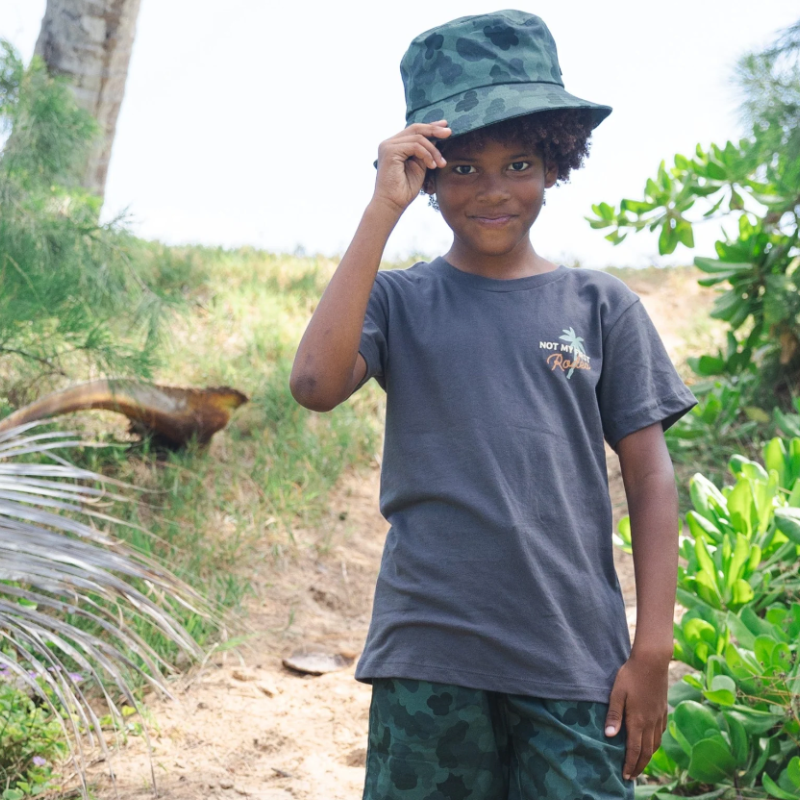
(477, 108)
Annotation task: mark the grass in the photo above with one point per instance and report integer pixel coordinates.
(217, 512)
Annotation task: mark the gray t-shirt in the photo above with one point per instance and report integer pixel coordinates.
(497, 572)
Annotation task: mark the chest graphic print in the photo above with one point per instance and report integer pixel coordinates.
(567, 354)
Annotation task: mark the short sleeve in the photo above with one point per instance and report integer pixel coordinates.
(373, 335)
(638, 385)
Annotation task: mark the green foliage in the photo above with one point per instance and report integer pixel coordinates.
(51, 135)
(715, 427)
(769, 82)
(755, 183)
(760, 302)
(30, 743)
(736, 721)
(71, 299)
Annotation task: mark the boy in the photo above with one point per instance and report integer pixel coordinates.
(498, 649)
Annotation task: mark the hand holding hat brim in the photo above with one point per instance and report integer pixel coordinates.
(405, 159)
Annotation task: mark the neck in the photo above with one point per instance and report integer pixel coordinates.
(521, 262)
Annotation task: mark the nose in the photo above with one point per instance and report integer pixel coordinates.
(492, 188)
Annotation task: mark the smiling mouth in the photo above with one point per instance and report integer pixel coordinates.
(494, 221)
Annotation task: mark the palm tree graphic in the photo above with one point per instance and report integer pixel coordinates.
(577, 345)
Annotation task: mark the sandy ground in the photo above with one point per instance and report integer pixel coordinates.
(242, 724)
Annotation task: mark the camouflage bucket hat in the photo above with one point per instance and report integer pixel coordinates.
(477, 70)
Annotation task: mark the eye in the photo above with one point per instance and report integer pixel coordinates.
(465, 167)
(519, 166)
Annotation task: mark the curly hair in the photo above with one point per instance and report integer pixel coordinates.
(561, 135)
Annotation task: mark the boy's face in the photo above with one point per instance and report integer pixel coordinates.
(490, 196)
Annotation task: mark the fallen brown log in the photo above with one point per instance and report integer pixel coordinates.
(172, 415)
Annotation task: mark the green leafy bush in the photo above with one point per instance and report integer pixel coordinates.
(756, 269)
(735, 726)
(72, 302)
(718, 425)
(753, 185)
(30, 742)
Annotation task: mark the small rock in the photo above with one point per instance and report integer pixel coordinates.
(324, 598)
(243, 674)
(226, 783)
(316, 663)
(281, 773)
(356, 757)
(266, 689)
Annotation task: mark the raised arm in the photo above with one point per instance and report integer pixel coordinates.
(640, 689)
(327, 366)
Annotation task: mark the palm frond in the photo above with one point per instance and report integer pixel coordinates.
(69, 588)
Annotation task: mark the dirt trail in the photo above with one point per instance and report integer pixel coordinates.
(244, 726)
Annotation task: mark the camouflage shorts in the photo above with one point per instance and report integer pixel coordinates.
(433, 741)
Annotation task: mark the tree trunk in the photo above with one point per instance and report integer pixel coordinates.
(90, 41)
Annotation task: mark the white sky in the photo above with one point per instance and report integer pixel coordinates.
(257, 121)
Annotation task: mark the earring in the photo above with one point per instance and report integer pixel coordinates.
(432, 202)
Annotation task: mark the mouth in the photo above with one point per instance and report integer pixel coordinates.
(493, 221)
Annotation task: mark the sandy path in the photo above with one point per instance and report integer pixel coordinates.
(244, 726)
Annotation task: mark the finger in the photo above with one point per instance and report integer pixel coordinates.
(427, 132)
(633, 749)
(438, 128)
(658, 733)
(430, 133)
(424, 155)
(430, 146)
(616, 707)
(646, 752)
(656, 738)
(412, 149)
(404, 146)
(408, 135)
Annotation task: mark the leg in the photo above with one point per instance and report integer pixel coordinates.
(433, 741)
(560, 752)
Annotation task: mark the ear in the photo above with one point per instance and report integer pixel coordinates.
(550, 176)
(429, 184)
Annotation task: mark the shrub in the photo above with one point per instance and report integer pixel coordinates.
(30, 742)
(71, 300)
(736, 721)
(754, 186)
